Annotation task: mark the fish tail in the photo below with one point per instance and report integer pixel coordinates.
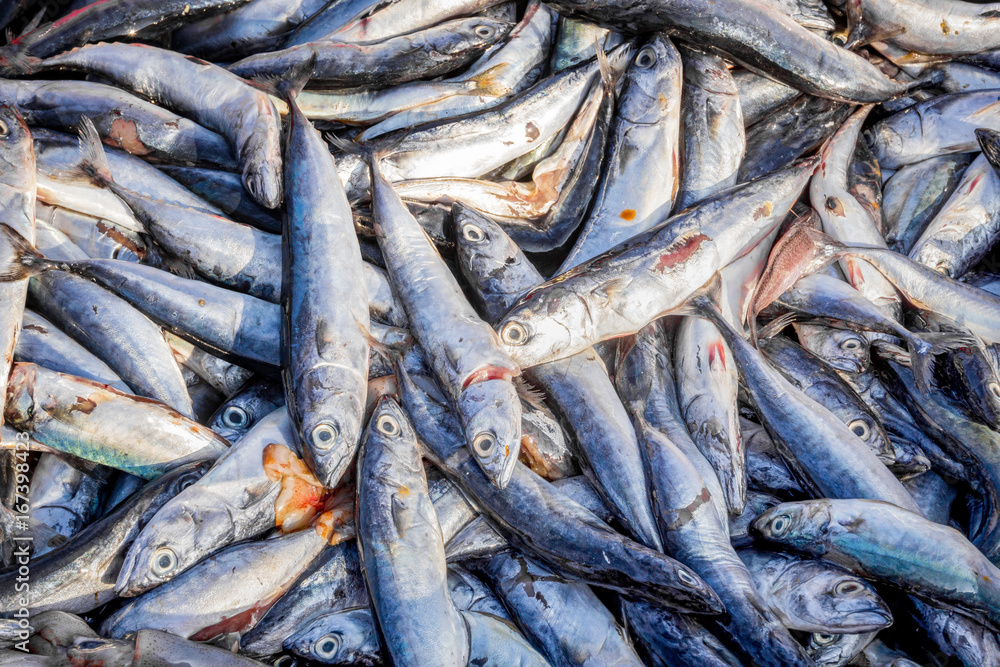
(928, 79)
(924, 346)
(773, 327)
(94, 162)
(14, 60)
(22, 259)
(296, 78)
(989, 141)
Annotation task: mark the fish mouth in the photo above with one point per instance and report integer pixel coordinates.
(868, 620)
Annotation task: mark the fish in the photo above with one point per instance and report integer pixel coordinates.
(466, 354)
(18, 193)
(772, 42)
(854, 533)
(668, 263)
(642, 155)
(76, 577)
(398, 533)
(249, 121)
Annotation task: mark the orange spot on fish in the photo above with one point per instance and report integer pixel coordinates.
(627, 214)
(763, 210)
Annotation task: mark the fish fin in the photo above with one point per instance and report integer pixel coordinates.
(22, 260)
(988, 113)
(813, 15)
(94, 162)
(929, 344)
(774, 327)
(861, 32)
(33, 24)
(604, 67)
(989, 141)
(929, 79)
(350, 147)
(14, 59)
(529, 394)
(295, 79)
(387, 351)
(704, 302)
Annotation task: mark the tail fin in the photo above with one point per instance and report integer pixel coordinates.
(989, 141)
(296, 78)
(94, 162)
(774, 327)
(288, 85)
(924, 346)
(21, 261)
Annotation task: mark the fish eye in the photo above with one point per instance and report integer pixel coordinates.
(324, 435)
(860, 428)
(851, 344)
(941, 268)
(847, 587)
(387, 425)
(472, 233)
(187, 481)
(4, 128)
(164, 561)
(327, 646)
(484, 31)
(780, 524)
(646, 57)
(823, 639)
(235, 417)
(687, 578)
(514, 333)
(484, 445)
(994, 389)
(251, 187)
(285, 661)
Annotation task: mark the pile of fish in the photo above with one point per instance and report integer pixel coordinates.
(500, 333)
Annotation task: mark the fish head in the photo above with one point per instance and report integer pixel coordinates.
(490, 411)
(331, 428)
(548, 323)
(832, 649)
(470, 35)
(652, 86)
(186, 529)
(825, 598)
(886, 138)
(844, 349)
(801, 525)
(490, 261)
(339, 638)
(238, 415)
(16, 154)
(263, 182)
